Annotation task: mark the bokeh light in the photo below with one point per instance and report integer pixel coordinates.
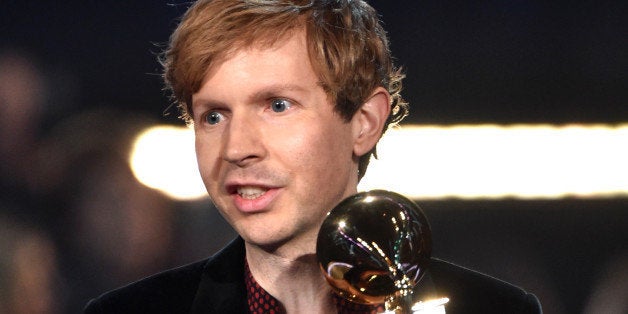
(429, 162)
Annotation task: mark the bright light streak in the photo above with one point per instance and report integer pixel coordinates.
(491, 161)
(429, 162)
(436, 306)
(431, 306)
(163, 158)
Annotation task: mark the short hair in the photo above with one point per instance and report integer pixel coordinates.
(347, 46)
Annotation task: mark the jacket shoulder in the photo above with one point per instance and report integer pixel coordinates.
(171, 291)
(473, 292)
(201, 287)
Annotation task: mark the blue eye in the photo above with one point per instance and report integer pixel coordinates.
(214, 117)
(280, 105)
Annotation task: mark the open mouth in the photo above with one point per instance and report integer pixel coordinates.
(250, 192)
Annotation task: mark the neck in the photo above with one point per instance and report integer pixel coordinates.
(294, 279)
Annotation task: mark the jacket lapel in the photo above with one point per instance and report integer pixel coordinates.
(222, 288)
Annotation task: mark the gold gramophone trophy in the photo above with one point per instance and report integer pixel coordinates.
(374, 247)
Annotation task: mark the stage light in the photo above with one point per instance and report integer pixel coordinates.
(435, 162)
(163, 158)
(493, 161)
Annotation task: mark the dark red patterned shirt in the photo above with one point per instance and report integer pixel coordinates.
(261, 302)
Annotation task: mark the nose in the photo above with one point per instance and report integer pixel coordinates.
(242, 141)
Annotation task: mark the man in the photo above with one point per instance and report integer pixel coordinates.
(288, 100)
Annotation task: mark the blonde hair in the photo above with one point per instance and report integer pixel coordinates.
(347, 46)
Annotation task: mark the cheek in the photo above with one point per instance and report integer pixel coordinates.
(321, 152)
(206, 159)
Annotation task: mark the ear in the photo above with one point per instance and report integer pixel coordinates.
(368, 121)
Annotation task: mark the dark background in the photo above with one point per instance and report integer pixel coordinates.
(512, 61)
(466, 62)
(477, 61)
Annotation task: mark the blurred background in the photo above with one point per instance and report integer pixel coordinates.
(79, 79)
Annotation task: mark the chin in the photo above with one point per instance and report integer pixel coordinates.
(268, 244)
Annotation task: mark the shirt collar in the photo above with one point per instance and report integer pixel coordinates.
(260, 301)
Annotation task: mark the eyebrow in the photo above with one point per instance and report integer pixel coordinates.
(275, 90)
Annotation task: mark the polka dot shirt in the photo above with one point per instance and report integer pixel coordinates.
(261, 302)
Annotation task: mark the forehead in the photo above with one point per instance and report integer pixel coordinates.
(284, 61)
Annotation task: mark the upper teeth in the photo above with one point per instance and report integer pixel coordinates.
(250, 192)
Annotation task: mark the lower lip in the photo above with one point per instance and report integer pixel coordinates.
(257, 204)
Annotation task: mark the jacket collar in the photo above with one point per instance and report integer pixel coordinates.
(222, 287)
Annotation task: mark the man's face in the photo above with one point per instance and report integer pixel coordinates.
(274, 155)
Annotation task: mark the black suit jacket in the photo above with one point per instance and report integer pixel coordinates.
(216, 285)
